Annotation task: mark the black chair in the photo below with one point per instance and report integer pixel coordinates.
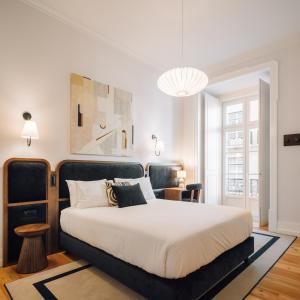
(159, 193)
(192, 192)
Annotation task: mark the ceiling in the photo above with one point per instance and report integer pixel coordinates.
(214, 30)
(236, 84)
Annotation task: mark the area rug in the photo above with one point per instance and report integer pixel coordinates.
(80, 280)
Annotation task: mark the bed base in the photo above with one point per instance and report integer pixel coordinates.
(193, 286)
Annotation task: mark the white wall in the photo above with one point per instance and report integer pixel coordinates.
(188, 139)
(288, 56)
(37, 55)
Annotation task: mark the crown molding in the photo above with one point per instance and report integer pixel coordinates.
(252, 57)
(92, 33)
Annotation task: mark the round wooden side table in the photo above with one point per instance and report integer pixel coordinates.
(33, 255)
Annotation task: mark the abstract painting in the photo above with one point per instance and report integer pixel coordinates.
(101, 118)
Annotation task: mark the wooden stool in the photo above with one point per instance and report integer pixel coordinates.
(33, 256)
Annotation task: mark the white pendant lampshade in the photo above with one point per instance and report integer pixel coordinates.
(182, 82)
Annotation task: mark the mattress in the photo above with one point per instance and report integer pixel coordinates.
(167, 238)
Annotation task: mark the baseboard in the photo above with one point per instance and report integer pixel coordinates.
(290, 228)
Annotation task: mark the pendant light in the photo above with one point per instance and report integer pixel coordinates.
(182, 81)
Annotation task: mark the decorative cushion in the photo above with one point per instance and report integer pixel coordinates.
(144, 183)
(129, 195)
(112, 200)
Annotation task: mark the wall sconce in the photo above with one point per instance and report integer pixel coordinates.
(30, 130)
(159, 146)
(181, 175)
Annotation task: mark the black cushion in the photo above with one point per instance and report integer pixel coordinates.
(129, 195)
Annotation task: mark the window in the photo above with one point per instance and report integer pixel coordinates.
(253, 162)
(234, 149)
(234, 170)
(234, 114)
(240, 149)
(253, 137)
(253, 110)
(253, 186)
(234, 139)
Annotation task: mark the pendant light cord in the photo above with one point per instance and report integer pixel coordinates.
(182, 81)
(181, 54)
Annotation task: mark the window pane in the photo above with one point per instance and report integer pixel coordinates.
(235, 185)
(234, 139)
(253, 137)
(254, 110)
(234, 174)
(234, 114)
(253, 162)
(253, 186)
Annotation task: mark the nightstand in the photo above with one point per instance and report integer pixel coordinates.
(33, 255)
(174, 193)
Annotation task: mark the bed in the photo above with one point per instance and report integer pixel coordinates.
(181, 255)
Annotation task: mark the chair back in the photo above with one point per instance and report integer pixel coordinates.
(195, 189)
(193, 186)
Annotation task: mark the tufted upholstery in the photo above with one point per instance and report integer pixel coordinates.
(154, 287)
(163, 175)
(80, 170)
(27, 181)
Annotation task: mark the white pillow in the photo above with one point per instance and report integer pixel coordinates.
(145, 185)
(84, 194)
(72, 191)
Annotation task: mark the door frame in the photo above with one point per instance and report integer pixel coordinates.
(246, 126)
(272, 67)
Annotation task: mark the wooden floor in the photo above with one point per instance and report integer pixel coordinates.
(282, 282)
(9, 274)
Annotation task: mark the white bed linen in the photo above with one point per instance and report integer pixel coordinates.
(168, 238)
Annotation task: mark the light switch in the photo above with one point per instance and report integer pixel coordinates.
(291, 139)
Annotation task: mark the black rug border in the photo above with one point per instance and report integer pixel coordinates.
(213, 291)
(294, 238)
(8, 292)
(45, 292)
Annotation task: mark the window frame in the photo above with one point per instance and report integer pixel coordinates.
(245, 127)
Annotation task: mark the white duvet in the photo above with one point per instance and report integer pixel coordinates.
(168, 238)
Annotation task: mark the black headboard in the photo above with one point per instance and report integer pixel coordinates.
(27, 180)
(94, 170)
(26, 184)
(163, 175)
